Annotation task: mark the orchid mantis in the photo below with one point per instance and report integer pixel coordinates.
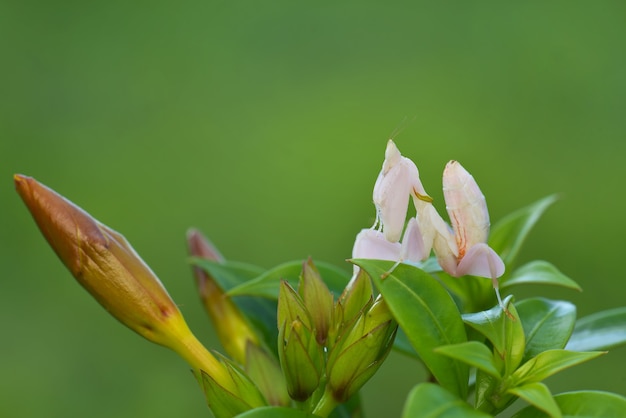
(460, 249)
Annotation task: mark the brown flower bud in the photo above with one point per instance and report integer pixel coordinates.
(103, 262)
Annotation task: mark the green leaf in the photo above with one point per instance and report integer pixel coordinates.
(550, 362)
(428, 316)
(547, 324)
(508, 235)
(599, 331)
(471, 293)
(587, 404)
(538, 395)
(428, 400)
(472, 353)
(504, 331)
(266, 284)
(228, 274)
(275, 412)
(539, 272)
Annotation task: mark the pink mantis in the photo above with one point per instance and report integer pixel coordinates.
(461, 249)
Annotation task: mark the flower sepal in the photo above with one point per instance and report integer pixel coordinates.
(239, 396)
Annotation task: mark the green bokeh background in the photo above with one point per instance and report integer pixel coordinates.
(264, 124)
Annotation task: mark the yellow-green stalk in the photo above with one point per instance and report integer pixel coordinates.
(232, 328)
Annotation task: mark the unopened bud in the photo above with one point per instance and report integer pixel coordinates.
(318, 300)
(359, 352)
(357, 296)
(301, 357)
(105, 264)
(231, 326)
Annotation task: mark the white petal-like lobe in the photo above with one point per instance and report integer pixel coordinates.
(481, 260)
(466, 207)
(391, 197)
(413, 248)
(370, 243)
(395, 184)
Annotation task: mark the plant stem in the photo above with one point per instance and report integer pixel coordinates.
(200, 359)
(326, 405)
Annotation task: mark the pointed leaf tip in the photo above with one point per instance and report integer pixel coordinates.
(508, 235)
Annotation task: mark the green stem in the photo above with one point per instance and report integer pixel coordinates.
(199, 358)
(326, 405)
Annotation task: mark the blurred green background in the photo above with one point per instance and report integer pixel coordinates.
(264, 124)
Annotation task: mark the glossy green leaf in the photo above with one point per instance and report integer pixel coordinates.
(582, 404)
(472, 353)
(599, 331)
(275, 412)
(538, 395)
(428, 400)
(547, 324)
(508, 235)
(539, 272)
(503, 330)
(471, 293)
(550, 362)
(428, 316)
(228, 274)
(266, 284)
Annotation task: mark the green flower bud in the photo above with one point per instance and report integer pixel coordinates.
(357, 295)
(291, 308)
(318, 300)
(301, 357)
(359, 351)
